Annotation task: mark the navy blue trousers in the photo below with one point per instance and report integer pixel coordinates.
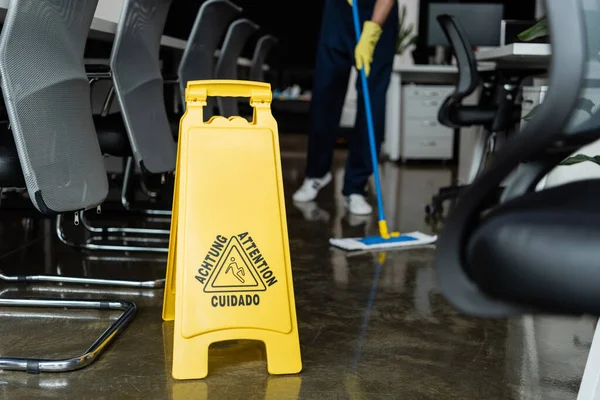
(335, 58)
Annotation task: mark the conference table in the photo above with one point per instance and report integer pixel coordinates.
(106, 19)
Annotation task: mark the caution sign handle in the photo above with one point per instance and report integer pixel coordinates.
(200, 90)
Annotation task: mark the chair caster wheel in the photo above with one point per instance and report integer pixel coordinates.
(433, 209)
(430, 209)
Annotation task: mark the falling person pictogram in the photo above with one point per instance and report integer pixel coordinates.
(239, 271)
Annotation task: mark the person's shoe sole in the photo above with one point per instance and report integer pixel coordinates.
(313, 198)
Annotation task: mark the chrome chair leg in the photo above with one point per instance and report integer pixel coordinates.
(127, 177)
(61, 290)
(128, 239)
(147, 191)
(93, 245)
(124, 259)
(158, 283)
(117, 229)
(38, 365)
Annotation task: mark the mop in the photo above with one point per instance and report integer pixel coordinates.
(385, 239)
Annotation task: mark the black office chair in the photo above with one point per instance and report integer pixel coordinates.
(553, 232)
(495, 116)
(55, 152)
(263, 48)
(237, 36)
(537, 252)
(141, 133)
(198, 59)
(142, 130)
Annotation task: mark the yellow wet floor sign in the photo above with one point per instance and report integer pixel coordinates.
(229, 274)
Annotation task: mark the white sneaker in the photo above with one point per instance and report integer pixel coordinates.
(310, 188)
(357, 204)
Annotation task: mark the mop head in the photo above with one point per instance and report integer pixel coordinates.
(413, 239)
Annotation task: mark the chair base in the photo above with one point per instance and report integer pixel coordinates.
(62, 290)
(436, 207)
(127, 205)
(119, 230)
(97, 243)
(38, 365)
(153, 284)
(484, 150)
(452, 193)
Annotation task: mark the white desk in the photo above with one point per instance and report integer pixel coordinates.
(403, 74)
(518, 55)
(522, 56)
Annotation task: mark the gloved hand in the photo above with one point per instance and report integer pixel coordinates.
(350, 2)
(363, 53)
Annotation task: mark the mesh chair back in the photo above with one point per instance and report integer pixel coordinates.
(47, 95)
(139, 84)
(236, 38)
(198, 60)
(263, 47)
(568, 118)
(468, 77)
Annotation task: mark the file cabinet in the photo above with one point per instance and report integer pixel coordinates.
(423, 137)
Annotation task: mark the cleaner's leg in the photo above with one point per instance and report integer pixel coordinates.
(331, 81)
(359, 166)
(332, 72)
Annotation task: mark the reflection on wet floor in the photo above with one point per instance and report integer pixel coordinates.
(372, 325)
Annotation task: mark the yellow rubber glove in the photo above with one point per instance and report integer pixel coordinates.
(363, 53)
(350, 2)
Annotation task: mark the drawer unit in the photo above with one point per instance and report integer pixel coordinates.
(421, 108)
(423, 92)
(427, 139)
(434, 148)
(425, 128)
(423, 101)
(423, 137)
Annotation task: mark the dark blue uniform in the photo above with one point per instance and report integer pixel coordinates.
(335, 57)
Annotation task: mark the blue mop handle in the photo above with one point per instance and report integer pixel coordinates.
(368, 113)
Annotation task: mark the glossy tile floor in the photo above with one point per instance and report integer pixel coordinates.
(369, 328)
